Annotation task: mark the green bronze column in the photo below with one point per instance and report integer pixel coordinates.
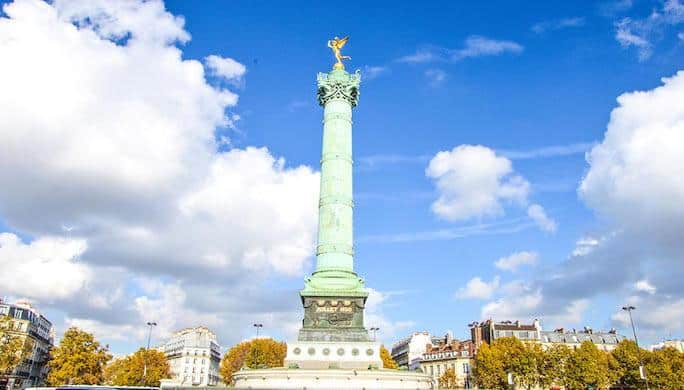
(338, 93)
(334, 296)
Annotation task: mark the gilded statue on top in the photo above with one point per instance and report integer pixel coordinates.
(336, 44)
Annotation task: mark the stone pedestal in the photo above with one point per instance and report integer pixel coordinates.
(291, 379)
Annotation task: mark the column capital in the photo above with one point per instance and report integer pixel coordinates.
(338, 84)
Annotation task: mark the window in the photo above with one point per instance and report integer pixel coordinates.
(466, 368)
(17, 313)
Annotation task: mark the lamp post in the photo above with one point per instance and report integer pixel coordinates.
(150, 324)
(256, 346)
(374, 329)
(629, 309)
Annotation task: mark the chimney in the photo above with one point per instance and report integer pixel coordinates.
(537, 324)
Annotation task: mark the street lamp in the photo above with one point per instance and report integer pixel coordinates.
(150, 324)
(374, 330)
(256, 347)
(629, 309)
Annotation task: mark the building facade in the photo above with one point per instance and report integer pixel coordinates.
(676, 344)
(32, 327)
(455, 355)
(604, 341)
(194, 356)
(489, 331)
(409, 351)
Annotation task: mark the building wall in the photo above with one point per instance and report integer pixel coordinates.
(462, 367)
(194, 357)
(408, 352)
(31, 326)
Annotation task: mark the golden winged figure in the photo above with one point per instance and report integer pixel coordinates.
(336, 44)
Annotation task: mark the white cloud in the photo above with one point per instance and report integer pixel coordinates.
(645, 286)
(227, 68)
(538, 215)
(476, 288)
(634, 176)
(435, 77)
(473, 46)
(517, 259)
(118, 19)
(420, 56)
(119, 149)
(642, 33)
(47, 268)
(472, 181)
(371, 72)
(625, 35)
(552, 25)
(374, 316)
(478, 46)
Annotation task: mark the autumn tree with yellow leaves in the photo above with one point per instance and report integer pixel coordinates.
(79, 359)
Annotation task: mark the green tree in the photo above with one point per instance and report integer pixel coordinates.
(588, 366)
(448, 380)
(78, 359)
(257, 353)
(130, 371)
(14, 346)
(665, 369)
(387, 361)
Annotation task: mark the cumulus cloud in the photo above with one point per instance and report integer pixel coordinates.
(538, 215)
(227, 68)
(47, 268)
(476, 288)
(634, 185)
(645, 286)
(472, 181)
(642, 149)
(515, 260)
(108, 131)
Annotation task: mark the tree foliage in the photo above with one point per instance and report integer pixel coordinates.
(448, 380)
(130, 370)
(489, 371)
(588, 366)
(14, 347)
(78, 359)
(665, 369)
(387, 361)
(256, 353)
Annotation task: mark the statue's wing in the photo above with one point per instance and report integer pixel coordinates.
(342, 41)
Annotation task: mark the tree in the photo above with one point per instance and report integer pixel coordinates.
(257, 353)
(78, 359)
(665, 369)
(554, 365)
(448, 380)
(489, 370)
(14, 347)
(130, 371)
(626, 355)
(387, 361)
(589, 366)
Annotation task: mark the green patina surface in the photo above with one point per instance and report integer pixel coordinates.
(338, 93)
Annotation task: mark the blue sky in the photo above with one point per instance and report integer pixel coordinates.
(534, 85)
